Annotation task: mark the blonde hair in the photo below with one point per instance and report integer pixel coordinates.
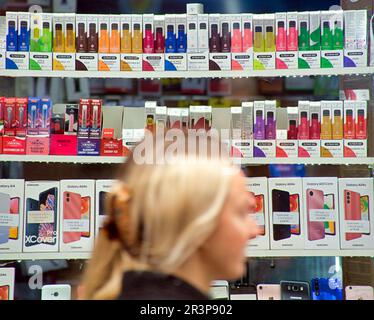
(171, 210)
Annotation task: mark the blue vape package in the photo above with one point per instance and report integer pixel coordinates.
(23, 41)
(170, 40)
(33, 112)
(45, 115)
(11, 31)
(181, 39)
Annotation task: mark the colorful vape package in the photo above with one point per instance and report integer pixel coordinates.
(326, 120)
(315, 120)
(84, 122)
(337, 120)
(270, 119)
(247, 23)
(126, 33)
(148, 33)
(269, 29)
(81, 34)
(137, 33)
(225, 32)
(33, 113)
(247, 116)
(304, 31)
(292, 31)
(21, 117)
(41, 32)
(11, 31)
(281, 31)
(203, 32)
(214, 33)
(23, 41)
(170, 37)
(181, 32)
(92, 34)
(236, 33)
(304, 120)
(159, 33)
(259, 120)
(315, 30)
(71, 119)
(95, 129)
(192, 33)
(45, 115)
(104, 33)
(349, 120)
(361, 119)
(292, 123)
(258, 33)
(58, 33)
(9, 113)
(115, 34)
(69, 22)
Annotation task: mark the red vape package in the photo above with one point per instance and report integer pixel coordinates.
(9, 113)
(95, 116)
(85, 112)
(21, 116)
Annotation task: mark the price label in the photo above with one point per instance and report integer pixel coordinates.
(76, 225)
(47, 216)
(9, 220)
(356, 226)
(285, 217)
(321, 215)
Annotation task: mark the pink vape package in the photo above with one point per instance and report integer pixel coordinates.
(9, 113)
(95, 117)
(281, 36)
(21, 117)
(84, 122)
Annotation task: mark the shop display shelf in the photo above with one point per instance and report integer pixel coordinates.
(61, 159)
(188, 74)
(44, 256)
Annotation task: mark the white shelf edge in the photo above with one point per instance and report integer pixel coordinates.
(44, 256)
(62, 159)
(186, 74)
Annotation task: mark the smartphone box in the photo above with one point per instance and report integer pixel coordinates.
(63, 61)
(41, 61)
(130, 138)
(192, 33)
(109, 62)
(88, 146)
(37, 145)
(23, 41)
(264, 148)
(309, 148)
(356, 211)
(131, 62)
(321, 213)
(14, 145)
(63, 145)
(285, 210)
(7, 282)
(355, 148)
(102, 190)
(153, 62)
(41, 219)
(332, 58)
(77, 215)
(17, 60)
(198, 61)
(332, 148)
(259, 187)
(11, 215)
(86, 62)
(41, 34)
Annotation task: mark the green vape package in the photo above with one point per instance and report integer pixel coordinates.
(315, 30)
(338, 35)
(41, 32)
(332, 34)
(304, 39)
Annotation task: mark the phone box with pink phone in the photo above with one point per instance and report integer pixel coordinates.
(287, 230)
(356, 213)
(286, 40)
(321, 213)
(102, 190)
(7, 281)
(11, 215)
(359, 293)
(259, 189)
(77, 215)
(41, 216)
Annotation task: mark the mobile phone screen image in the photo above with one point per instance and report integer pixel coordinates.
(364, 205)
(4, 293)
(85, 214)
(102, 199)
(329, 204)
(14, 209)
(294, 207)
(260, 210)
(48, 202)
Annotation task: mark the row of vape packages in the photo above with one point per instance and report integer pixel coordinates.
(285, 40)
(313, 129)
(51, 216)
(313, 213)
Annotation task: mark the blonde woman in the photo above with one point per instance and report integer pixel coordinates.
(172, 230)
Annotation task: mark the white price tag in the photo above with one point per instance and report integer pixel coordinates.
(356, 226)
(285, 217)
(321, 215)
(259, 218)
(41, 216)
(76, 225)
(9, 220)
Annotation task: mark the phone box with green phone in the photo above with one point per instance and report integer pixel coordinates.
(102, 191)
(286, 117)
(260, 214)
(11, 215)
(355, 38)
(41, 216)
(41, 41)
(321, 213)
(356, 213)
(77, 215)
(242, 60)
(287, 228)
(7, 282)
(264, 39)
(332, 39)
(285, 58)
(132, 61)
(241, 147)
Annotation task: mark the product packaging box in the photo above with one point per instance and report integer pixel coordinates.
(177, 60)
(259, 188)
(45, 115)
(115, 34)
(41, 220)
(11, 215)
(349, 119)
(107, 61)
(161, 117)
(23, 41)
(41, 34)
(247, 118)
(240, 146)
(192, 33)
(174, 118)
(220, 42)
(77, 210)
(131, 42)
(241, 42)
(63, 144)
(264, 42)
(7, 281)
(88, 146)
(85, 113)
(14, 145)
(34, 116)
(200, 117)
(64, 42)
(103, 188)
(285, 209)
(315, 120)
(81, 33)
(17, 60)
(11, 31)
(330, 147)
(130, 138)
(9, 114)
(270, 119)
(69, 38)
(321, 213)
(95, 109)
(304, 31)
(309, 148)
(287, 143)
(153, 51)
(262, 148)
(315, 30)
(198, 49)
(38, 145)
(71, 119)
(355, 148)
(356, 211)
(111, 140)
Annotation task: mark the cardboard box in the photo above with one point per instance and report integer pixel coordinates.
(23, 41)
(304, 31)
(88, 146)
(287, 148)
(17, 60)
(200, 117)
(315, 120)
(315, 30)
(37, 145)
(356, 211)
(159, 33)
(84, 119)
(92, 34)
(137, 33)
(69, 38)
(115, 34)
(63, 145)
(131, 62)
(309, 148)
(349, 119)
(332, 58)
(203, 32)
(304, 120)
(361, 119)
(259, 120)
(270, 119)
(21, 117)
(181, 32)
(64, 61)
(285, 210)
(96, 115)
(195, 8)
(111, 143)
(321, 213)
(11, 31)
(109, 62)
(41, 220)
(103, 188)
(355, 148)
(175, 62)
(71, 118)
(41, 33)
(59, 33)
(192, 34)
(286, 60)
(87, 62)
(14, 145)
(198, 61)
(11, 215)
(292, 31)
(247, 117)
(220, 61)
(41, 61)
(264, 148)
(259, 186)
(161, 117)
(332, 148)
(309, 59)
(264, 61)
(131, 138)
(7, 281)
(77, 221)
(148, 33)
(153, 62)
(126, 33)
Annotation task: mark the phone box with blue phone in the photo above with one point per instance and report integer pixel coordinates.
(356, 213)
(7, 280)
(11, 215)
(259, 188)
(23, 41)
(175, 42)
(103, 188)
(287, 228)
(77, 211)
(41, 218)
(321, 213)
(327, 289)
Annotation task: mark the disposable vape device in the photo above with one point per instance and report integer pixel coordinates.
(11, 35)
(95, 118)
(57, 123)
(115, 39)
(360, 124)
(315, 30)
(236, 38)
(270, 128)
(303, 130)
(338, 36)
(126, 38)
(352, 211)
(9, 118)
(92, 39)
(304, 41)
(160, 41)
(104, 42)
(70, 38)
(349, 124)
(33, 117)
(21, 116)
(181, 41)
(292, 130)
(292, 38)
(225, 38)
(326, 36)
(36, 32)
(326, 125)
(84, 121)
(84, 117)
(23, 41)
(281, 38)
(81, 38)
(44, 119)
(247, 36)
(137, 39)
(58, 43)
(269, 39)
(203, 32)
(259, 126)
(258, 41)
(148, 42)
(170, 40)
(315, 128)
(214, 40)
(337, 125)
(45, 43)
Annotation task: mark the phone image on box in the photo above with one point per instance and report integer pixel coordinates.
(329, 204)
(14, 209)
(260, 209)
(71, 211)
(359, 293)
(281, 203)
(352, 211)
(85, 214)
(32, 229)
(48, 202)
(295, 208)
(326, 289)
(364, 205)
(315, 201)
(268, 292)
(102, 200)
(4, 293)
(4, 209)
(294, 290)
(56, 292)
